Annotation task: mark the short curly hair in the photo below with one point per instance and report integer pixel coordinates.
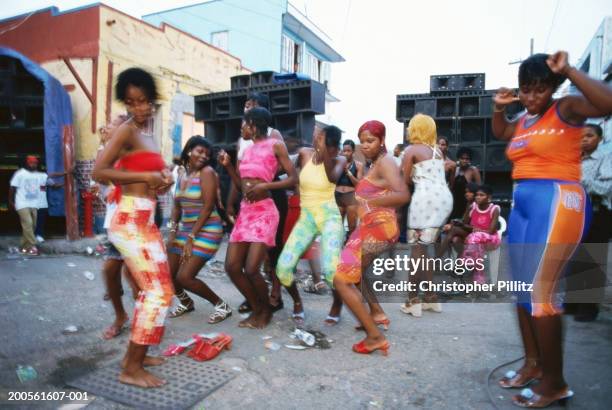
(535, 70)
(139, 78)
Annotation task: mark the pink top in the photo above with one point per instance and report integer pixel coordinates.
(481, 220)
(259, 161)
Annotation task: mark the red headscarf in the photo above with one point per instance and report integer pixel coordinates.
(375, 128)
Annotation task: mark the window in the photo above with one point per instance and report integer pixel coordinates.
(325, 72)
(287, 50)
(220, 39)
(312, 66)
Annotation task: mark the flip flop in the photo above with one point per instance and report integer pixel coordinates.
(298, 318)
(112, 331)
(332, 320)
(531, 400)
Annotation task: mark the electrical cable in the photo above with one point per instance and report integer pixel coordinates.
(488, 379)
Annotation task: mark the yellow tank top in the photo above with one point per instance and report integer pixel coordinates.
(315, 188)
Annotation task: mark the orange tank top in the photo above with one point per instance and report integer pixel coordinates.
(548, 149)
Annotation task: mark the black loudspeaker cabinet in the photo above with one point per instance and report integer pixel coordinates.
(262, 78)
(501, 183)
(299, 96)
(496, 159)
(240, 81)
(456, 82)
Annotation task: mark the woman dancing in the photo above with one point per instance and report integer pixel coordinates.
(430, 207)
(345, 187)
(378, 194)
(319, 215)
(197, 238)
(255, 228)
(140, 173)
(551, 209)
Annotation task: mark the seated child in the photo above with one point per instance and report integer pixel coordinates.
(480, 220)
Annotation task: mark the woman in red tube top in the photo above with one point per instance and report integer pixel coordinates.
(132, 162)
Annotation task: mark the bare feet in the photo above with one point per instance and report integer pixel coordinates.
(249, 322)
(141, 378)
(148, 361)
(263, 318)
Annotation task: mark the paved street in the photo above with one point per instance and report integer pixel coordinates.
(439, 361)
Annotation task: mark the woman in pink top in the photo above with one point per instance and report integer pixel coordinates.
(255, 228)
(482, 217)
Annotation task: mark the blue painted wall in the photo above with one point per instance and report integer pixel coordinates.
(254, 27)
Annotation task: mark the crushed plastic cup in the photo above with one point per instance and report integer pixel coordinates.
(89, 275)
(89, 250)
(26, 373)
(305, 337)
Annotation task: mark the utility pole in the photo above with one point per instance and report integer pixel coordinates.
(530, 53)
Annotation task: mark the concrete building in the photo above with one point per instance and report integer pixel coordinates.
(270, 35)
(597, 62)
(85, 48)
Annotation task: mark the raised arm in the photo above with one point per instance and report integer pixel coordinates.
(225, 160)
(502, 128)
(596, 99)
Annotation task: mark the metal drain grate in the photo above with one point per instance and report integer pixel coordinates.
(188, 382)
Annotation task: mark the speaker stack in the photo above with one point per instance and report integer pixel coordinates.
(293, 105)
(462, 109)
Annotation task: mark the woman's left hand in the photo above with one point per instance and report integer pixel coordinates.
(187, 249)
(558, 62)
(257, 192)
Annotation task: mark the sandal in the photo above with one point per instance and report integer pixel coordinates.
(222, 312)
(181, 310)
(298, 318)
(529, 399)
(244, 307)
(511, 380)
(112, 331)
(332, 320)
(208, 349)
(279, 306)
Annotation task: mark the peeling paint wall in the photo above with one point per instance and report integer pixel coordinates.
(180, 63)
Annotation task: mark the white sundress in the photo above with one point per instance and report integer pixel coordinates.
(432, 201)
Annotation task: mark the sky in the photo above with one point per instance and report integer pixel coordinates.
(392, 47)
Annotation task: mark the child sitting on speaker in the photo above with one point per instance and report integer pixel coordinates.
(480, 219)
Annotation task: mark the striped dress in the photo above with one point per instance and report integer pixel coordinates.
(209, 238)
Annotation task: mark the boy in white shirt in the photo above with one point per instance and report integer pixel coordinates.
(24, 197)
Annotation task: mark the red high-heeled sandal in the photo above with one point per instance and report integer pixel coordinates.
(363, 349)
(208, 349)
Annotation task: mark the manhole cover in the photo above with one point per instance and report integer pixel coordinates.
(188, 382)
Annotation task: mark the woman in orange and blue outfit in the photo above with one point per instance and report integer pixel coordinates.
(551, 211)
(379, 193)
(133, 163)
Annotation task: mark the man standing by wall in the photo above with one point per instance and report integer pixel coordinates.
(24, 198)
